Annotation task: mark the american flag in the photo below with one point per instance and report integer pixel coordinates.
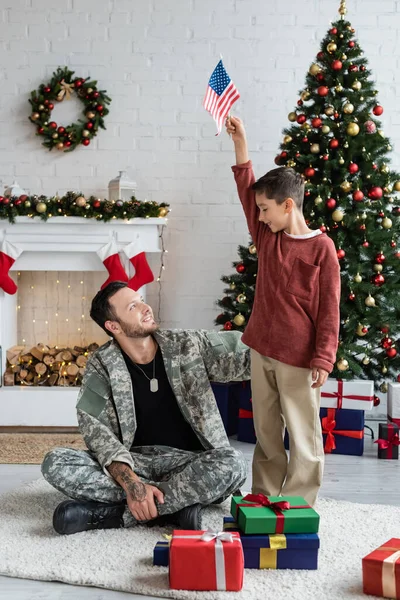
(221, 95)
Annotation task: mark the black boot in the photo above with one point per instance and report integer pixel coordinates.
(186, 518)
(72, 517)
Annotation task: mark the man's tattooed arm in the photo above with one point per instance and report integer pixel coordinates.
(127, 479)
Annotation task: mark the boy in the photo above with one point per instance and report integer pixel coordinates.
(293, 328)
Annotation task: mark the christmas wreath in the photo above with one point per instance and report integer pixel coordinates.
(61, 86)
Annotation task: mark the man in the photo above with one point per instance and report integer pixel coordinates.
(158, 451)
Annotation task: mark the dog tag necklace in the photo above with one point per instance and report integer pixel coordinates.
(153, 380)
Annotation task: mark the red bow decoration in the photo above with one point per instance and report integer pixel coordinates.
(328, 429)
(384, 444)
(259, 500)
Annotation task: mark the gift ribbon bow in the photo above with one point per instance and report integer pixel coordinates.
(66, 90)
(388, 572)
(393, 440)
(219, 537)
(328, 429)
(259, 500)
(339, 395)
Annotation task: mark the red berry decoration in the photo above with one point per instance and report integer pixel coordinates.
(309, 172)
(375, 193)
(334, 143)
(316, 122)
(351, 44)
(376, 401)
(341, 254)
(380, 258)
(301, 119)
(377, 110)
(391, 352)
(337, 65)
(331, 203)
(53, 125)
(86, 142)
(228, 326)
(378, 279)
(358, 196)
(353, 168)
(323, 90)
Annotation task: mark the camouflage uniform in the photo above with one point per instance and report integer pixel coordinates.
(107, 420)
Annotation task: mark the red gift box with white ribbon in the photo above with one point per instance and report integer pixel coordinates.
(381, 570)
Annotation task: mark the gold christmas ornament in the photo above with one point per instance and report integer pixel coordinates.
(358, 278)
(329, 111)
(35, 116)
(348, 108)
(292, 117)
(81, 201)
(346, 186)
(341, 160)
(90, 115)
(356, 85)
(163, 211)
(360, 331)
(40, 107)
(291, 163)
(342, 364)
(378, 268)
(239, 320)
(41, 207)
(241, 298)
(60, 146)
(252, 249)
(396, 186)
(232, 286)
(318, 200)
(344, 56)
(306, 126)
(305, 95)
(384, 169)
(339, 88)
(384, 388)
(387, 223)
(342, 8)
(314, 69)
(314, 148)
(287, 139)
(89, 90)
(325, 129)
(364, 215)
(366, 360)
(27, 204)
(85, 133)
(381, 133)
(54, 136)
(384, 370)
(353, 129)
(337, 215)
(331, 47)
(370, 301)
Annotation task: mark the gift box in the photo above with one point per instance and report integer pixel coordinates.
(256, 513)
(381, 570)
(243, 392)
(393, 403)
(161, 554)
(227, 396)
(246, 431)
(343, 431)
(206, 560)
(277, 551)
(354, 395)
(388, 441)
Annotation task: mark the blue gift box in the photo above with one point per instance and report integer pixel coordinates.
(347, 435)
(278, 551)
(161, 554)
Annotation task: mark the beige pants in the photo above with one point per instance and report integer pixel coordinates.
(282, 394)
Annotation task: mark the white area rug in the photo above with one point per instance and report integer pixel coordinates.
(122, 559)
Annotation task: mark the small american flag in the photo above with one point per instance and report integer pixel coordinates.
(221, 95)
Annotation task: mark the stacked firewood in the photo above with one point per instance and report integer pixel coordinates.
(43, 365)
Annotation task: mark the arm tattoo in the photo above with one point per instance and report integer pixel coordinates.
(123, 474)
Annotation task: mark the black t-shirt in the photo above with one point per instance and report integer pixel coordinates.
(159, 419)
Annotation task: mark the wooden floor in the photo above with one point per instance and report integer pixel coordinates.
(362, 479)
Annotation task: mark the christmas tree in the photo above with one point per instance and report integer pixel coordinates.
(337, 142)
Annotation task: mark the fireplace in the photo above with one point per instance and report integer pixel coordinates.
(57, 275)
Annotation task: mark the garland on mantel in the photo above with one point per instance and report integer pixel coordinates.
(74, 204)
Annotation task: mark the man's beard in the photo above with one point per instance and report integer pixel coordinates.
(137, 332)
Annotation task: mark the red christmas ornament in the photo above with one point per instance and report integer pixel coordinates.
(378, 279)
(336, 115)
(298, 154)
(53, 125)
(96, 94)
(96, 204)
(23, 198)
(17, 202)
(89, 125)
(78, 83)
(358, 196)
(374, 166)
(337, 65)
(397, 254)
(333, 31)
(364, 329)
(323, 90)
(380, 258)
(331, 203)
(51, 106)
(309, 172)
(320, 77)
(40, 130)
(375, 193)
(341, 254)
(305, 140)
(381, 214)
(316, 122)
(376, 401)
(47, 90)
(307, 193)
(369, 127)
(301, 119)
(323, 228)
(353, 68)
(385, 329)
(334, 143)
(386, 343)
(6, 200)
(61, 130)
(46, 102)
(99, 108)
(365, 244)
(377, 110)
(228, 326)
(393, 244)
(320, 55)
(299, 102)
(86, 142)
(351, 44)
(284, 155)
(325, 157)
(1, 199)
(240, 268)
(391, 352)
(352, 296)
(353, 168)
(363, 227)
(67, 143)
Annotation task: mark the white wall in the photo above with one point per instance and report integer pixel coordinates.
(154, 58)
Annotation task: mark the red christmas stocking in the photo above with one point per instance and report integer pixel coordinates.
(109, 256)
(8, 256)
(143, 274)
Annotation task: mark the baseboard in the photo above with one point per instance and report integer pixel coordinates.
(34, 429)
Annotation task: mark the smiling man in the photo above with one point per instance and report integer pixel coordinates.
(157, 449)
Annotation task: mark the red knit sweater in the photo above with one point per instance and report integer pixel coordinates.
(295, 316)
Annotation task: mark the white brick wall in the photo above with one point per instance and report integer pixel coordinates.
(154, 58)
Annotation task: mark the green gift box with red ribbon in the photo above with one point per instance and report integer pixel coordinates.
(256, 513)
